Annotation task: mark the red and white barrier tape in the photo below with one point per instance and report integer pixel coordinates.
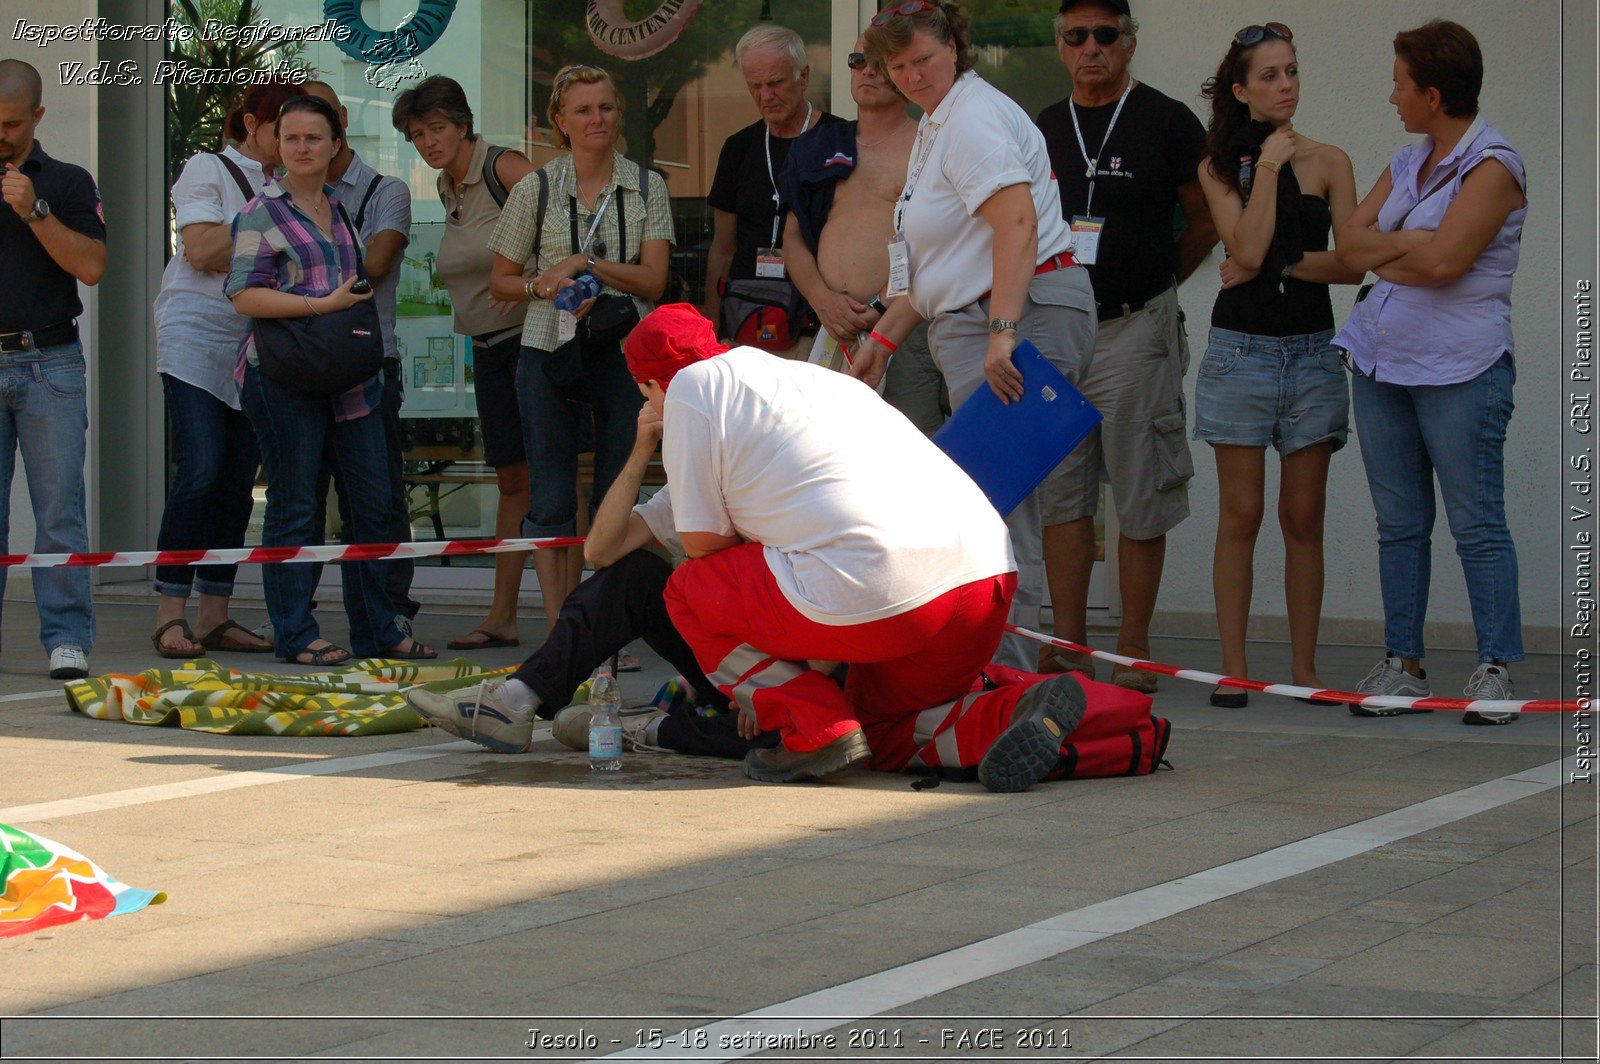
(1483, 705)
(335, 552)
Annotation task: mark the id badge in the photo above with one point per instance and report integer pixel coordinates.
(1086, 230)
(899, 269)
(769, 263)
(566, 326)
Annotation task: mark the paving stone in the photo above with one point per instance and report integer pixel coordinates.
(1457, 964)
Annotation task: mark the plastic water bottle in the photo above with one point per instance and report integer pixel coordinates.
(586, 286)
(605, 723)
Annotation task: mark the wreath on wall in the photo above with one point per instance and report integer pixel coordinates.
(613, 34)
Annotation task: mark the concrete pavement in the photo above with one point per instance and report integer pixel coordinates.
(1310, 885)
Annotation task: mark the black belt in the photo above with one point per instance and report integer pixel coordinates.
(1112, 311)
(12, 343)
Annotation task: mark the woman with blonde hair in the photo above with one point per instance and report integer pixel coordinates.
(594, 215)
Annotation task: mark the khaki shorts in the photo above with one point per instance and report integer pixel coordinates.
(1134, 377)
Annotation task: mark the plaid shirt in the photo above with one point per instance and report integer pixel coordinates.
(514, 234)
(275, 245)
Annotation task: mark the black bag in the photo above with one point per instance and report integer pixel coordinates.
(324, 354)
(763, 312)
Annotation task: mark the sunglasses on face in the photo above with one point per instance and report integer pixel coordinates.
(1256, 34)
(910, 7)
(1104, 36)
(856, 60)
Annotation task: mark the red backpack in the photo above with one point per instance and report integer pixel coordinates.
(1117, 737)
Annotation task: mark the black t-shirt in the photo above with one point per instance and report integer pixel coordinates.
(1155, 147)
(743, 188)
(35, 293)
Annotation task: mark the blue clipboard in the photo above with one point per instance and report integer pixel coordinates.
(1009, 450)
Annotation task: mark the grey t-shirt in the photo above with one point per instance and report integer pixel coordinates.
(388, 209)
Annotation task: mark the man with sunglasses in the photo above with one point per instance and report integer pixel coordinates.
(841, 184)
(1127, 159)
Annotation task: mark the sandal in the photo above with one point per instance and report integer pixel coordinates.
(332, 654)
(1054, 659)
(217, 639)
(490, 641)
(419, 651)
(184, 630)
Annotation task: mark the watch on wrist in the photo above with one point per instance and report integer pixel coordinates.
(877, 304)
(1000, 325)
(41, 211)
(589, 266)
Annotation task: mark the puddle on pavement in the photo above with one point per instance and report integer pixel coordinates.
(637, 771)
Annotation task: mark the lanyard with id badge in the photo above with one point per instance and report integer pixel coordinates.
(566, 320)
(899, 250)
(769, 260)
(1087, 228)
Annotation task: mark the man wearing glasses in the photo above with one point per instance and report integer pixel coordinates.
(1127, 159)
(841, 183)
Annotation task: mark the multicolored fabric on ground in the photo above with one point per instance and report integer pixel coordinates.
(363, 698)
(45, 884)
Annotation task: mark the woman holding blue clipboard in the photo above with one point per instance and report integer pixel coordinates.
(980, 249)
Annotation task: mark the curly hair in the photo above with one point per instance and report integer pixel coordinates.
(945, 21)
(1229, 116)
(568, 76)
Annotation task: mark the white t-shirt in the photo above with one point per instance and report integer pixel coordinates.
(861, 516)
(657, 514)
(197, 330)
(976, 142)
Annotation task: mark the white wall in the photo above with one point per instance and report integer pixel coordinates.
(1345, 62)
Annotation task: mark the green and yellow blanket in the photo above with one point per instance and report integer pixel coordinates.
(363, 698)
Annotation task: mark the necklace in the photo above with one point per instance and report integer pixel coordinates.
(907, 124)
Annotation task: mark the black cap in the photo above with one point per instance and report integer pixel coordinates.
(1119, 6)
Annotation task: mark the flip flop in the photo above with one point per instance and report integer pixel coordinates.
(328, 655)
(419, 651)
(490, 642)
(187, 633)
(217, 639)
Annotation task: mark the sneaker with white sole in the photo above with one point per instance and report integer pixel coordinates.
(1389, 678)
(571, 727)
(1491, 681)
(68, 662)
(476, 713)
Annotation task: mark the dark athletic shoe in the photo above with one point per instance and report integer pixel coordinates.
(1025, 752)
(778, 765)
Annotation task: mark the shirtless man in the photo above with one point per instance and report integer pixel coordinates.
(841, 183)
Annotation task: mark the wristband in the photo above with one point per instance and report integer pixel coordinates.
(883, 341)
(1270, 165)
(527, 290)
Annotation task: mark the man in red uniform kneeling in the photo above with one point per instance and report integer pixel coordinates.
(822, 528)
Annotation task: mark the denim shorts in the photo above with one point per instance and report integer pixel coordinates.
(1286, 391)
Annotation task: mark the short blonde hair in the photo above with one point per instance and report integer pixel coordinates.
(566, 77)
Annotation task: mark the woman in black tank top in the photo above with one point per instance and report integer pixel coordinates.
(1270, 375)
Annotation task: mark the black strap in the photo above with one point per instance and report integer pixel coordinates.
(491, 175)
(238, 175)
(361, 211)
(355, 239)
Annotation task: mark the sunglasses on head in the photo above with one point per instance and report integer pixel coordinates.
(856, 60)
(909, 8)
(1103, 35)
(1256, 34)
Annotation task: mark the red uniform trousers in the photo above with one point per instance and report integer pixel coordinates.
(911, 680)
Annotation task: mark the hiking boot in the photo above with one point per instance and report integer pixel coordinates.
(1390, 678)
(477, 713)
(1030, 747)
(1491, 681)
(780, 765)
(571, 727)
(68, 662)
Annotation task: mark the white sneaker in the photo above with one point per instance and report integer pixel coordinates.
(1490, 682)
(1389, 677)
(571, 727)
(68, 662)
(476, 713)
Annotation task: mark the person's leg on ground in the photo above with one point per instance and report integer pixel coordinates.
(550, 441)
(1240, 501)
(1302, 507)
(361, 470)
(495, 373)
(199, 452)
(11, 381)
(232, 502)
(399, 572)
(500, 625)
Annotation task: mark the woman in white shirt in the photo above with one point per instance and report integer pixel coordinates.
(987, 254)
(198, 332)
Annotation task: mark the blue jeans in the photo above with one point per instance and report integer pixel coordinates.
(293, 429)
(1411, 434)
(209, 499)
(44, 413)
(552, 430)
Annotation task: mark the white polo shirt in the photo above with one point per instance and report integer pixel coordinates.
(859, 515)
(976, 142)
